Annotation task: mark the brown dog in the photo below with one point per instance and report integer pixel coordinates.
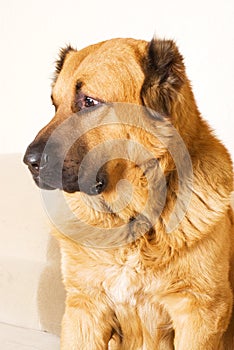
(164, 276)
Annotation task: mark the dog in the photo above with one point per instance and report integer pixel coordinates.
(147, 241)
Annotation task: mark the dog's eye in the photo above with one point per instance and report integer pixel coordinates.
(83, 101)
(90, 102)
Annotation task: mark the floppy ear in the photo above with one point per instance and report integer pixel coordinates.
(164, 76)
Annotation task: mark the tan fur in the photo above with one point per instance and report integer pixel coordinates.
(168, 291)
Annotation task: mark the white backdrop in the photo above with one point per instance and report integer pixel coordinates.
(32, 31)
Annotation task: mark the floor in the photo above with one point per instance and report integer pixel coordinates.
(16, 338)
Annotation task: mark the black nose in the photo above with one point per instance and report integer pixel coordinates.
(35, 159)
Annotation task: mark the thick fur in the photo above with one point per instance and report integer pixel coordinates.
(161, 291)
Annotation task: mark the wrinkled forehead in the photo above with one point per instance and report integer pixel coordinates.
(110, 71)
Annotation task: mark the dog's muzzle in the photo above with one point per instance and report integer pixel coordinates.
(51, 172)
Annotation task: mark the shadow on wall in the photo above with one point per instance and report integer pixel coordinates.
(51, 292)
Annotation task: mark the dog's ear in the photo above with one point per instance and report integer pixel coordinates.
(61, 59)
(164, 75)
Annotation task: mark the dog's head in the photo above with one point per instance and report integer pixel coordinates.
(98, 93)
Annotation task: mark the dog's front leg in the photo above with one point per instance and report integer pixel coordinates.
(198, 326)
(87, 325)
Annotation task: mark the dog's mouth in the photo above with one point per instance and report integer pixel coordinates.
(41, 184)
(71, 183)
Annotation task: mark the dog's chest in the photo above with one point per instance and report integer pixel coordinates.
(136, 296)
(130, 285)
(122, 285)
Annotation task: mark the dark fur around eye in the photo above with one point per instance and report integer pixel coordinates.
(82, 101)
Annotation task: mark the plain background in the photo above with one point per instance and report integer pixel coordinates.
(32, 31)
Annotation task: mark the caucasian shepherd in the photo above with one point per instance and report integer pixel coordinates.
(146, 234)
